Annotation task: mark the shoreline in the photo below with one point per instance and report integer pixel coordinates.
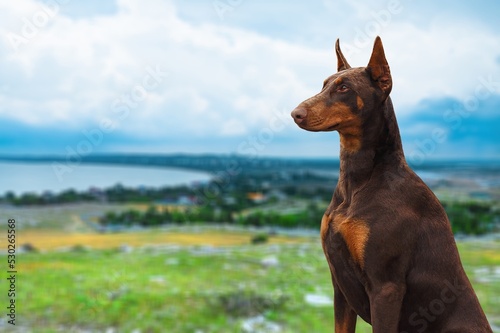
(39, 178)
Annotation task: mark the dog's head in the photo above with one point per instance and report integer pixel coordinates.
(349, 97)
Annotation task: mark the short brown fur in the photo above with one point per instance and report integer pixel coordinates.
(355, 233)
(345, 324)
(325, 221)
(360, 103)
(386, 237)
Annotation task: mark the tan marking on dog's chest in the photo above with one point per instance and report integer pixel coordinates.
(355, 233)
(325, 221)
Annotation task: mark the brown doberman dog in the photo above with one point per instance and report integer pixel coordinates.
(386, 237)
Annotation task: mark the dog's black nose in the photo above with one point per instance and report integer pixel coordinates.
(299, 114)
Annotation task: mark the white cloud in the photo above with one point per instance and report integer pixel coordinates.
(445, 60)
(95, 61)
(223, 80)
(233, 127)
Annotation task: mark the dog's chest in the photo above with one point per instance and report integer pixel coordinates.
(344, 243)
(338, 230)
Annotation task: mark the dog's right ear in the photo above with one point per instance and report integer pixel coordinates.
(342, 64)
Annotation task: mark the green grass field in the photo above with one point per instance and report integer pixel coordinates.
(203, 280)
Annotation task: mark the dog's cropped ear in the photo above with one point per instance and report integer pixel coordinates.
(341, 62)
(378, 68)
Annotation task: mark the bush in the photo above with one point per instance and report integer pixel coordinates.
(78, 248)
(246, 304)
(259, 239)
(470, 218)
(28, 247)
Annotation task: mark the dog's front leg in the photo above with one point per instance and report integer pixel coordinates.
(385, 307)
(345, 317)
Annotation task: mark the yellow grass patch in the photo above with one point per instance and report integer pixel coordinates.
(29, 266)
(46, 240)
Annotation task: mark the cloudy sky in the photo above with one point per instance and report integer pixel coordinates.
(222, 76)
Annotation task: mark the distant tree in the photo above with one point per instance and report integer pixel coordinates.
(10, 196)
(204, 214)
(179, 217)
(470, 218)
(109, 218)
(130, 217)
(28, 199)
(166, 216)
(68, 196)
(152, 217)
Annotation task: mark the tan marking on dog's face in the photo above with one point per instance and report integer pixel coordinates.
(355, 233)
(336, 117)
(337, 81)
(322, 118)
(359, 102)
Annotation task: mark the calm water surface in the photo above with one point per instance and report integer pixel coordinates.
(39, 177)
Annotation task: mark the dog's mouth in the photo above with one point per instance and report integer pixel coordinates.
(318, 127)
(332, 128)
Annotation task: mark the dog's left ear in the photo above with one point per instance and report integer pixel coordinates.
(378, 68)
(342, 64)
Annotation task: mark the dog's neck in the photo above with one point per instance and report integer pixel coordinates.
(381, 151)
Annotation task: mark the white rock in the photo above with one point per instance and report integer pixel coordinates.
(157, 279)
(259, 325)
(318, 300)
(270, 261)
(125, 248)
(172, 261)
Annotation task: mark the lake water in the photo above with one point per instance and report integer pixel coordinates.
(39, 177)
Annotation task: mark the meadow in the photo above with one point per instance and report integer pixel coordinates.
(187, 279)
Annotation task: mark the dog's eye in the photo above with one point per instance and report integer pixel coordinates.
(342, 88)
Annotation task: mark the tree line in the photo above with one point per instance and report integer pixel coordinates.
(468, 218)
